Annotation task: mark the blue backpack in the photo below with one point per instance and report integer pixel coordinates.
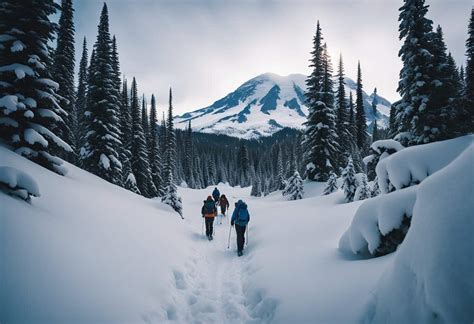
(243, 216)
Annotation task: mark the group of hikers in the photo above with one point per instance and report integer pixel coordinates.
(240, 216)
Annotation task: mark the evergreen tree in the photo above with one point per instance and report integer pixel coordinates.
(146, 127)
(280, 180)
(363, 190)
(103, 140)
(243, 164)
(349, 182)
(188, 157)
(342, 118)
(294, 189)
(155, 164)
(256, 188)
(170, 196)
(468, 103)
(139, 157)
(321, 149)
(375, 102)
(352, 123)
(375, 189)
(360, 120)
(331, 185)
(81, 97)
(30, 115)
(63, 73)
(375, 133)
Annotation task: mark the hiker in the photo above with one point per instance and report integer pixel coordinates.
(224, 203)
(209, 211)
(216, 194)
(240, 218)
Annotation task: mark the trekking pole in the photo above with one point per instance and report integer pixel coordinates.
(247, 240)
(202, 227)
(228, 241)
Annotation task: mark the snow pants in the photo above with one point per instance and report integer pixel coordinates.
(209, 226)
(223, 209)
(240, 230)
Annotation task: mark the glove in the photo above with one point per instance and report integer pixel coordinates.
(232, 223)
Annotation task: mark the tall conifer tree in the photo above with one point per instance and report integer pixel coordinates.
(30, 115)
(102, 146)
(360, 120)
(81, 96)
(63, 74)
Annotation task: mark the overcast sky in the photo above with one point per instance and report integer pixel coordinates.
(205, 49)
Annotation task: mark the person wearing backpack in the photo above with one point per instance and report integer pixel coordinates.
(224, 203)
(240, 217)
(209, 211)
(216, 194)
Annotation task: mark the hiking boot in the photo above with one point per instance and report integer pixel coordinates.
(239, 253)
(210, 238)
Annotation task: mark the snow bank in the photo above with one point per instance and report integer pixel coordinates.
(374, 221)
(432, 276)
(18, 183)
(412, 165)
(86, 251)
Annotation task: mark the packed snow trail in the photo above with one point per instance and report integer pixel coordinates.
(212, 288)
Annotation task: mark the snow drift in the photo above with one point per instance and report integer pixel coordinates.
(432, 277)
(85, 251)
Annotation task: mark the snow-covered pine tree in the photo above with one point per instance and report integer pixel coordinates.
(81, 98)
(321, 149)
(331, 185)
(468, 92)
(30, 115)
(139, 157)
(146, 126)
(349, 181)
(170, 196)
(188, 157)
(374, 189)
(100, 153)
(418, 113)
(352, 122)
(375, 131)
(360, 120)
(280, 179)
(294, 189)
(155, 161)
(256, 187)
(342, 117)
(243, 164)
(63, 73)
(363, 190)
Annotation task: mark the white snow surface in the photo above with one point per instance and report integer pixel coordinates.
(432, 277)
(412, 165)
(87, 251)
(376, 216)
(17, 179)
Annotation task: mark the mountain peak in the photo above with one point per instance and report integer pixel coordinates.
(262, 106)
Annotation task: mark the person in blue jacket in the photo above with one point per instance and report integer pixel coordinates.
(216, 195)
(240, 218)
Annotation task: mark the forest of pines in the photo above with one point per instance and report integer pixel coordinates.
(102, 124)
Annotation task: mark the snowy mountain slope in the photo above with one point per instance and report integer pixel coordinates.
(85, 251)
(265, 105)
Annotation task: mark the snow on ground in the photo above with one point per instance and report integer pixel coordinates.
(432, 277)
(88, 251)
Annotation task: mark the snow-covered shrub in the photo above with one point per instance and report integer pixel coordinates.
(331, 185)
(378, 225)
(374, 188)
(412, 165)
(362, 191)
(349, 181)
(378, 151)
(432, 275)
(294, 187)
(18, 183)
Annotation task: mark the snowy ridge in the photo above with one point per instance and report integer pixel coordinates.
(265, 105)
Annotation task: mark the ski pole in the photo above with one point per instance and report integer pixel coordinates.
(247, 240)
(202, 227)
(228, 241)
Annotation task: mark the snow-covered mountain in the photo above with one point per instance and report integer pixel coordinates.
(264, 105)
